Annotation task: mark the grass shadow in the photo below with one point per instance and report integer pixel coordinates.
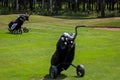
(77, 77)
(59, 77)
(13, 33)
(7, 32)
(74, 17)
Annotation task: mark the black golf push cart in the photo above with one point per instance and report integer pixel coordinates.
(15, 27)
(64, 55)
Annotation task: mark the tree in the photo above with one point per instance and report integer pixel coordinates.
(17, 5)
(102, 8)
(48, 7)
(51, 8)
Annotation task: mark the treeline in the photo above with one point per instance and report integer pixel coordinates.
(59, 7)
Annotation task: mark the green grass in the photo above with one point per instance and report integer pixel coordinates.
(27, 56)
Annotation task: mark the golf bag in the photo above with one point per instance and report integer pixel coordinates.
(64, 55)
(16, 26)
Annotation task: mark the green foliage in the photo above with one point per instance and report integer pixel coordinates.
(112, 14)
(27, 56)
(40, 11)
(4, 11)
(69, 8)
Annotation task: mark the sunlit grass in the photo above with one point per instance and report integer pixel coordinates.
(27, 56)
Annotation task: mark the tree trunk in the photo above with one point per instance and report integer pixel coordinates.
(83, 6)
(51, 8)
(119, 6)
(76, 6)
(88, 5)
(31, 4)
(102, 3)
(113, 3)
(17, 5)
(98, 6)
(42, 4)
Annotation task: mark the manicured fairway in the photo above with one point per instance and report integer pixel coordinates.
(27, 56)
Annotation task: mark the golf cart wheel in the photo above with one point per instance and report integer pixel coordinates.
(25, 30)
(80, 70)
(20, 31)
(53, 72)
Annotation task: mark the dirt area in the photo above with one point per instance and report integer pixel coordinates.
(112, 29)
